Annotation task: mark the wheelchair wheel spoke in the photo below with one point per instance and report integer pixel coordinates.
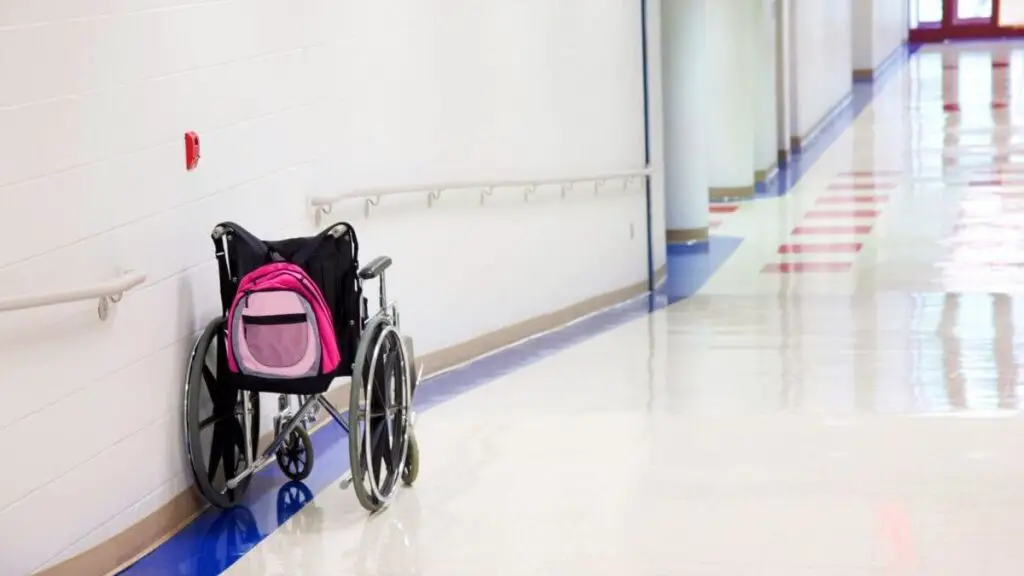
(380, 450)
(216, 454)
(376, 435)
(208, 377)
(212, 420)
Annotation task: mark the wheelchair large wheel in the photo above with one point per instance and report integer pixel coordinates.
(379, 404)
(215, 421)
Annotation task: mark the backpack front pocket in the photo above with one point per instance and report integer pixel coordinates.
(277, 341)
(275, 336)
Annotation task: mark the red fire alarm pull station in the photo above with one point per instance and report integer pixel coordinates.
(191, 150)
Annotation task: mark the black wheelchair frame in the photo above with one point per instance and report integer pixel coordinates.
(222, 417)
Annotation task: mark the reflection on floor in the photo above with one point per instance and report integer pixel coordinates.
(830, 387)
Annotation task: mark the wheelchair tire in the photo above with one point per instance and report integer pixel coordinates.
(411, 469)
(379, 402)
(214, 443)
(295, 456)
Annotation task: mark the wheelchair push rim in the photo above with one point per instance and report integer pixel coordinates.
(379, 406)
(215, 440)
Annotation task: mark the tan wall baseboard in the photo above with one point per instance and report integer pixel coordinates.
(127, 547)
(872, 73)
(466, 351)
(726, 193)
(686, 235)
(660, 274)
(798, 143)
(767, 173)
(863, 74)
(783, 157)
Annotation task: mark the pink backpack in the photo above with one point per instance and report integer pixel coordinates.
(279, 326)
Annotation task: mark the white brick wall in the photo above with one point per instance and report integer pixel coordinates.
(290, 99)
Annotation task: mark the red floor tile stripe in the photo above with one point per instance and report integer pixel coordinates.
(855, 185)
(955, 107)
(871, 173)
(837, 248)
(842, 214)
(998, 172)
(805, 267)
(724, 208)
(855, 199)
(829, 230)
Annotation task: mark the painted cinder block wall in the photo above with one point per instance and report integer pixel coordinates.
(290, 99)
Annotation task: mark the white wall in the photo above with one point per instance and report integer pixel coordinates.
(766, 150)
(879, 27)
(291, 99)
(821, 60)
(890, 27)
(656, 110)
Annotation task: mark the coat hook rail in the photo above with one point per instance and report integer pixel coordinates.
(107, 293)
(322, 205)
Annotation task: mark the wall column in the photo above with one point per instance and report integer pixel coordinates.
(732, 93)
(766, 150)
(783, 82)
(863, 32)
(685, 61)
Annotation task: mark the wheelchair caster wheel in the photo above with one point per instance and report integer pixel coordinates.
(411, 469)
(295, 456)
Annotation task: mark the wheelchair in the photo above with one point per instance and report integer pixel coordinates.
(222, 410)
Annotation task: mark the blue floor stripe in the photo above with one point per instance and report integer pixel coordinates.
(864, 92)
(217, 539)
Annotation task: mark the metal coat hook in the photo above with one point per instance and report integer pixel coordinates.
(598, 184)
(485, 193)
(566, 188)
(433, 195)
(103, 308)
(374, 201)
(106, 302)
(527, 191)
(320, 211)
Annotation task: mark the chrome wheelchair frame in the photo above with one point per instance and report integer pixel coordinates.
(379, 426)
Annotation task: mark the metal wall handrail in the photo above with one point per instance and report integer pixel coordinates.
(322, 204)
(108, 293)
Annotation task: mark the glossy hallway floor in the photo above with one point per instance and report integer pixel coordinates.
(839, 398)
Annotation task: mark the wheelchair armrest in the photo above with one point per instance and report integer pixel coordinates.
(375, 267)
